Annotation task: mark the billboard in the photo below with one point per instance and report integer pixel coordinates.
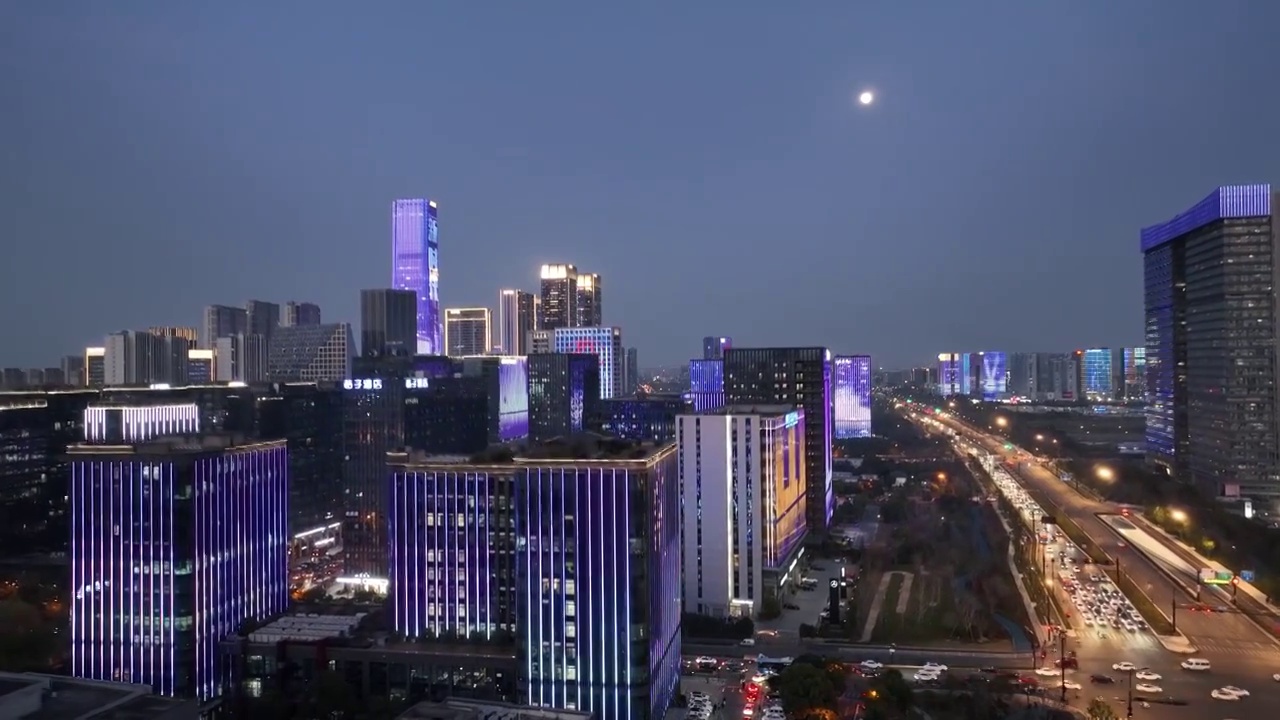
(513, 398)
(852, 397)
(949, 382)
(995, 375)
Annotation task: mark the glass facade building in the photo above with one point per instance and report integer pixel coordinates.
(564, 394)
(1098, 375)
(1213, 418)
(851, 391)
(949, 368)
(648, 418)
(415, 249)
(603, 342)
(175, 542)
(994, 374)
(713, 347)
(1135, 373)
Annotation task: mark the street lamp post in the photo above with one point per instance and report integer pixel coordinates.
(1062, 661)
(1129, 711)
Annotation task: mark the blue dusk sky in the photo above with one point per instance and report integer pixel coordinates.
(708, 159)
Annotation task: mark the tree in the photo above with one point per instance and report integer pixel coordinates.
(896, 691)
(804, 687)
(1100, 710)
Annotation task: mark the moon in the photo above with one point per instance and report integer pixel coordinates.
(866, 97)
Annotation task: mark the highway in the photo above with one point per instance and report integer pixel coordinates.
(1241, 653)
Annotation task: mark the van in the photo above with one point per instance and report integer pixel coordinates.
(1199, 664)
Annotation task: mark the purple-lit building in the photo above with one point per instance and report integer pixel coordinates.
(950, 374)
(649, 418)
(706, 384)
(507, 385)
(415, 266)
(799, 377)
(851, 390)
(120, 424)
(713, 347)
(175, 542)
(564, 394)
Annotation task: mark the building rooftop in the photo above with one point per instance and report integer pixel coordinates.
(580, 447)
(169, 444)
(33, 696)
(762, 409)
(308, 628)
(458, 709)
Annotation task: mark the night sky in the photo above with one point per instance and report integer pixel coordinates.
(708, 159)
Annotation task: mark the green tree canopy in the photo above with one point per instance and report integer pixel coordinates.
(1100, 710)
(803, 687)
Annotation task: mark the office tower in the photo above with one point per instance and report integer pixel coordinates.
(949, 374)
(262, 317)
(1135, 374)
(647, 418)
(415, 263)
(516, 320)
(797, 377)
(242, 358)
(572, 546)
(742, 473)
(373, 424)
(308, 417)
(632, 372)
(388, 322)
(706, 384)
(73, 370)
(449, 415)
(559, 293)
(300, 313)
(175, 542)
(506, 388)
(1211, 343)
(140, 358)
(713, 347)
(174, 352)
(95, 369)
(851, 390)
(588, 301)
(993, 375)
(605, 343)
(13, 379)
(200, 366)
(186, 333)
(467, 331)
(540, 342)
(221, 321)
(1099, 375)
(564, 394)
(311, 353)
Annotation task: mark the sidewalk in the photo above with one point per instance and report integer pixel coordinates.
(1203, 561)
(1177, 644)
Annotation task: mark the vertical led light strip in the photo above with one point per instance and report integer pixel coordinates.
(627, 587)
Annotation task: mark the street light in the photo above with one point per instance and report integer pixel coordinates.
(1105, 473)
(1002, 422)
(1178, 515)
(1039, 438)
(1129, 713)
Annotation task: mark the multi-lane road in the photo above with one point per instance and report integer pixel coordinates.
(1241, 653)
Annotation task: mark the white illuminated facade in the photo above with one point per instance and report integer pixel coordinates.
(113, 424)
(603, 342)
(467, 331)
(742, 484)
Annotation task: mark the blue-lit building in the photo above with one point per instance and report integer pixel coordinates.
(1212, 366)
(649, 418)
(994, 374)
(564, 394)
(949, 374)
(570, 548)
(603, 342)
(175, 542)
(1099, 374)
(706, 384)
(851, 396)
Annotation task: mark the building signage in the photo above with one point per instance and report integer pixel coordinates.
(793, 419)
(416, 383)
(362, 384)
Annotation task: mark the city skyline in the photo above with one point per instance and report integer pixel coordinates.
(1089, 146)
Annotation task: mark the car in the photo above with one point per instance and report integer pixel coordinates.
(1101, 679)
(1147, 675)
(1048, 672)
(1196, 664)
(1070, 663)
(934, 667)
(1124, 667)
(747, 642)
(1068, 684)
(1148, 688)
(925, 676)
(1221, 694)
(871, 665)
(1276, 677)
(1237, 690)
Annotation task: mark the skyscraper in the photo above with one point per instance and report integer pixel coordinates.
(241, 358)
(263, 317)
(300, 313)
(713, 347)
(1099, 374)
(590, 304)
(797, 377)
(95, 367)
(1214, 416)
(311, 353)
(851, 386)
(516, 319)
(174, 543)
(388, 322)
(559, 293)
(603, 342)
(564, 393)
(632, 373)
(221, 321)
(133, 358)
(415, 266)
(467, 331)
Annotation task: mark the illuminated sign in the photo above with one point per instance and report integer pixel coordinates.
(416, 383)
(362, 384)
(793, 419)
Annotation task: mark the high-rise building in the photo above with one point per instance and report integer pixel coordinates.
(851, 390)
(1099, 374)
(799, 377)
(241, 358)
(506, 388)
(605, 343)
(262, 317)
(646, 418)
(467, 331)
(589, 301)
(541, 342)
(388, 322)
(1211, 312)
(742, 472)
(73, 370)
(95, 367)
(564, 394)
(415, 249)
(559, 293)
(993, 375)
(175, 542)
(632, 374)
(141, 358)
(308, 417)
(713, 347)
(221, 321)
(186, 333)
(706, 384)
(949, 370)
(573, 548)
(1135, 374)
(311, 353)
(300, 313)
(516, 319)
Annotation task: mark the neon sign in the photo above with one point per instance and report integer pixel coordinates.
(362, 384)
(416, 383)
(793, 419)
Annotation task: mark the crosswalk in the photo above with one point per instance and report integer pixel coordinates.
(1147, 641)
(1120, 638)
(1235, 647)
